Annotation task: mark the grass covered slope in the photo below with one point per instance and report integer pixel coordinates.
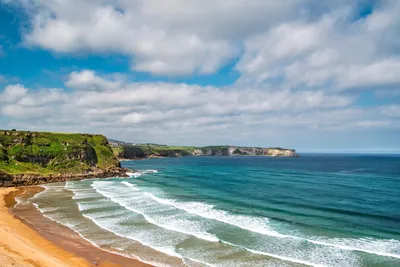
(145, 151)
(44, 153)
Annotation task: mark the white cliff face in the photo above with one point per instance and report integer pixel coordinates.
(137, 153)
(197, 152)
(231, 150)
(280, 152)
(245, 151)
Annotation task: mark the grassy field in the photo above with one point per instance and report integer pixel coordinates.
(51, 153)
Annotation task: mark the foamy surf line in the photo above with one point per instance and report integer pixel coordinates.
(169, 252)
(140, 173)
(256, 225)
(197, 261)
(252, 224)
(206, 237)
(40, 193)
(131, 255)
(276, 256)
(209, 214)
(346, 247)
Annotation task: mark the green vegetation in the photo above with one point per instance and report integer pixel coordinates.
(237, 151)
(138, 151)
(53, 153)
(163, 149)
(147, 150)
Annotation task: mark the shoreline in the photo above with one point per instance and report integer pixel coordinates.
(14, 180)
(27, 238)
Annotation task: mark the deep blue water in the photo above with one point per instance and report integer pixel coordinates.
(317, 209)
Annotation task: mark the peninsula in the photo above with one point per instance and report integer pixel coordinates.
(29, 158)
(124, 150)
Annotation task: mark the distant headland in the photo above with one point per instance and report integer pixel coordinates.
(30, 158)
(124, 150)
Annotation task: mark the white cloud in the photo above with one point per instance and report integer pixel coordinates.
(335, 50)
(302, 65)
(100, 28)
(12, 93)
(173, 37)
(171, 113)
(18, 102)
(87, 80)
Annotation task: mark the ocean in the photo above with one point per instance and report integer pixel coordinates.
(313, 210)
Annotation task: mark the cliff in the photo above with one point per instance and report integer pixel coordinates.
(127, 151)
(36, 157)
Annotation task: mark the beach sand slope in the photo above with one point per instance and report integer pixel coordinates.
(22, 246)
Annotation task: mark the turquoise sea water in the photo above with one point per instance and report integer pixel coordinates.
(315, 210)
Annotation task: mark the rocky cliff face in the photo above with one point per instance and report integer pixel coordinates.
(30, 157)
(7, 180)
(131, 152)
(245, 151)
(139, 152)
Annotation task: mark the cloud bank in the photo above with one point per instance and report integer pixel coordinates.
(303, 66)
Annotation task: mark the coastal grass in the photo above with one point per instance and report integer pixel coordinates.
(155, 150)
(24, 152)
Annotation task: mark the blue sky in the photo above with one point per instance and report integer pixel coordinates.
(308, 75)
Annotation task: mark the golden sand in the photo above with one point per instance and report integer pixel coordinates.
(21, 245)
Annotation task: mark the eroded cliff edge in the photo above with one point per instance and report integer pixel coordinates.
(28, 158)
(127, 151)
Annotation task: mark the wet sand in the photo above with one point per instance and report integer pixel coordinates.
(27, 238)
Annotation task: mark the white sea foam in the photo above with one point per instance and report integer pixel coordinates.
(19, 200)
(177, 225)
(49, 209)
(285, 258)
(140, 173)
(166, 250)
(253, 224)
(40, 193)
(132, 186)
(73, 228)
(134, 174)
(101, 219)
(150, 171)
(197, 261)
(386, 248)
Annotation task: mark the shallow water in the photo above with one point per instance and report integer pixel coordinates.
(316, 210)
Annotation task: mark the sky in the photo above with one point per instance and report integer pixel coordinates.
(316, 76)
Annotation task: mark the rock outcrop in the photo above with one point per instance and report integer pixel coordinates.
(28, 158)
(7, 180)
(155, 151)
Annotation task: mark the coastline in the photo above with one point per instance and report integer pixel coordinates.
(27, 238)
(13, 180)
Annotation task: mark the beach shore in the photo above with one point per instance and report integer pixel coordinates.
(27, 238)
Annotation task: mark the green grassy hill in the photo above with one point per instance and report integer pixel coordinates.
(23, 152)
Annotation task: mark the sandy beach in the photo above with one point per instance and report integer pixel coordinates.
(29, 239)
